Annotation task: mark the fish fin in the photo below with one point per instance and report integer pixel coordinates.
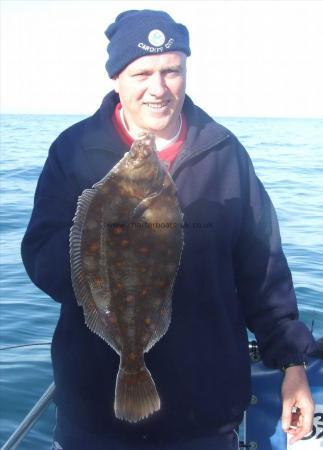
(81, 287)
(144, 205)
(168, 186)
(94, 318)
(165, 311)
(136, 396)
(163, 323)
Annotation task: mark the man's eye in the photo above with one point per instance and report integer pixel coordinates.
(171, 72)
(140, 75)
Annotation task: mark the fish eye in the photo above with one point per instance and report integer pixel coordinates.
(133, 152)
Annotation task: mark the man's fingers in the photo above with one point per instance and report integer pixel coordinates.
(307, 422)
(304, 426)
(298, 434)
(287, 414)
(298, 406)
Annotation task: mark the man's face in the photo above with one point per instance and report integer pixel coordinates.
(152, 91)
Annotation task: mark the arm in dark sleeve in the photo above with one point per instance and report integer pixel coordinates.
(45, 246)
(264, 281)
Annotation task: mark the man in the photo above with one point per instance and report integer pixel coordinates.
(233, 272)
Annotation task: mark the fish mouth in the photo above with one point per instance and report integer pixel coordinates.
(142, 148)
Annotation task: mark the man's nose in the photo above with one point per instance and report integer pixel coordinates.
(157, 85)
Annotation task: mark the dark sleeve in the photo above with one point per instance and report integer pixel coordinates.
(264, 281)
(45, 246)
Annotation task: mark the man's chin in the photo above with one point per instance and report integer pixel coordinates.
(158, 127)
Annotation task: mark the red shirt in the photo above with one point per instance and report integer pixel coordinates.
(168, 154)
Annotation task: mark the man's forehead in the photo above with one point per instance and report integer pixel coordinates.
(158, 61)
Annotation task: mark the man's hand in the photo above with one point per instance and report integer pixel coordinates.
(298, 405)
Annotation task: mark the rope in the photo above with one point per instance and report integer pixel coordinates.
(24, 345)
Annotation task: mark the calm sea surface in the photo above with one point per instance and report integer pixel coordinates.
(288, 156)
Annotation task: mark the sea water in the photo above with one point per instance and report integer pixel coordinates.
(288, 157)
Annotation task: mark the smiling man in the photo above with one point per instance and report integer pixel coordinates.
(152, 93)
(233, 272)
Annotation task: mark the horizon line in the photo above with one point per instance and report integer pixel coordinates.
(217, 116)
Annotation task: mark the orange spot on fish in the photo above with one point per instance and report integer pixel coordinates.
(147, 320)
(143, 249)
(132, 356)
(161, 283)
(136, 194)
(93, 248)
(119, 285)
(144, 292)
(130, 298)
(143, 269)
(117, 230)
(124, 243)
(98, 281)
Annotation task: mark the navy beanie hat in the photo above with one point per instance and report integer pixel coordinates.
(140, 33)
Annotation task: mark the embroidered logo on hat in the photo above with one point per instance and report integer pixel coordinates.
(137, 33)
(156, 38)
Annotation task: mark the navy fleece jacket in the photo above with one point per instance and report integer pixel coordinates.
(233, 275)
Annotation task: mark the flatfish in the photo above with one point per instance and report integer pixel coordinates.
(125, 248)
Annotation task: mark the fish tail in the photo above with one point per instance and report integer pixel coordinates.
(136, 396)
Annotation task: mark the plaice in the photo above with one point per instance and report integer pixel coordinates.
(125, 249)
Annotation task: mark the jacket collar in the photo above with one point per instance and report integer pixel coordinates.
(99, 130)
(203, 131)
(203, 134)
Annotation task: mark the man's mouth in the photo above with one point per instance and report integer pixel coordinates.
(156, 106)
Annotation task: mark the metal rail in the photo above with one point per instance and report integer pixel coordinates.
(30, 419)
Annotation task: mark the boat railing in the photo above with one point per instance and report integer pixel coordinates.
(31, 418)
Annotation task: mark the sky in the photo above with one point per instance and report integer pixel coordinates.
(249, 58)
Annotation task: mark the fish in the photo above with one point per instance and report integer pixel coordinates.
(126, 243)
